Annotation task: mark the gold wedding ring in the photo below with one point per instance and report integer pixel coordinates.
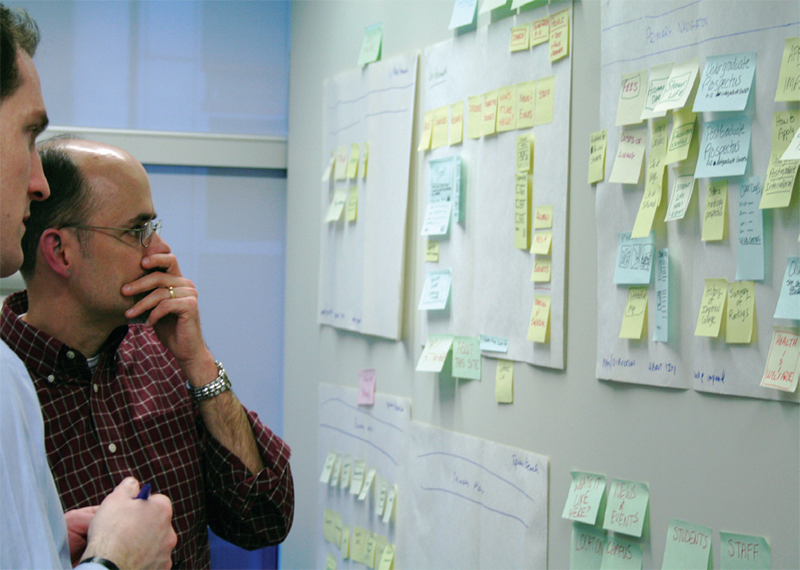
(171, 293)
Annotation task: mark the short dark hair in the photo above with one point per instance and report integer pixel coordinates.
(17, 30)
(70, 202)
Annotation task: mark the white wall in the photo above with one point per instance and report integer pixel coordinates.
(729, 463)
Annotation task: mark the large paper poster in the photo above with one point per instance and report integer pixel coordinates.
(367, 123)
(719, 239)
(492, 290)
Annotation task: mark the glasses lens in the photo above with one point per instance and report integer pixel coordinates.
(148, 230)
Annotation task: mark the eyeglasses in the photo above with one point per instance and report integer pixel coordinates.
(145, 231)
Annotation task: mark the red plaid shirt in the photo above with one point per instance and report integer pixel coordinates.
(133, 416)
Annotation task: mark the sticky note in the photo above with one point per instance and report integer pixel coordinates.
(712, 308)
(741, 322)
(358, 544)
(783, 362)
(387, 558)
(792, 151)
(326, 173)
(788, 83)
(435, 353)
(542, 241)
(750, 231)
(474, 116)
(464, 13)
(437, 218)
(587, 546)
(679, 198)
(726, 82)
(539, 324)
(597, 156)
(621, 554)
(504, 382)
(359, 470)
(489, 115)
(366, 160)
(520, 38)
(440, 182)
(456, 123)
(627, 167)
(542, 270)
(336, 471)
(489, 5)
(522, 210)
(543, 220)
(715, 214)
(559, 35)
(688, 545)
(651, 199)
(788, 306)
(436, 290)
(491, 343)
(352, 204)
(634, 259)
(328, 467)
(369, 551)
(440, 128)
(661, 329)
(327, 525)
(347, 471)
(427, 131)
(391, 500)
(432, 251)
(458, 203)
(724, 147)
(656, 82)
(337, 205)
(627, 507)
(466, 357)
(526, 104)
(545, 100)
(632, 96)
(342, 158)
(366, 387)
(507, 108)
(352, 163)
(367, 483)
(744, 552)
(634, 320)
(371, 45)
(679, 87)
(330, 562)
(345, 544)
(337, 528)
(781, 174)
(524, 154)
(380, 503)
(586, 493)
(683, 133)
(659, 138)
(540, 31)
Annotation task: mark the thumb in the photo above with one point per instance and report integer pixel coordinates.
(129, 487)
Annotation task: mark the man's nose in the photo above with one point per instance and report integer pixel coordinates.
(157, 245)
(38, 188)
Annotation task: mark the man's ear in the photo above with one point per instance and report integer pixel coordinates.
(57, 250)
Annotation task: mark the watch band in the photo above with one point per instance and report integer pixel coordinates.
(101, 561)
(219, 385)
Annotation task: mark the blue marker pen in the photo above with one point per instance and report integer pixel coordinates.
(144, 492)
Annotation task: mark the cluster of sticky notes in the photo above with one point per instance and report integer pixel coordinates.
(654, 179)
(360, 545)
(542, 244)
(444, 196)
(739, 318)
(344, 165)
(522, 191)
(351, 475)
(553, 29)
(466, 356)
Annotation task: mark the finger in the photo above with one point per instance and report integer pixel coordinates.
(147, 283)
(166, 262)
(177, 307)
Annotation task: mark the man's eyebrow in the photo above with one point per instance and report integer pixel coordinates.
(142, 218)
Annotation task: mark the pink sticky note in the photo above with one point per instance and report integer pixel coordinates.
(366, 387)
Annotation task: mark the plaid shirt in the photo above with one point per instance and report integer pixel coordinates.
(133, 416)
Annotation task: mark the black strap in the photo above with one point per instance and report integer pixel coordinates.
(102, 562)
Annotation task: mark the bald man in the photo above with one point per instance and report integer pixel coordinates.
(110, 330)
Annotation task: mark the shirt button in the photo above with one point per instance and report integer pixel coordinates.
(51, 378)
(112, 448)
(95, 387)
(70, 354)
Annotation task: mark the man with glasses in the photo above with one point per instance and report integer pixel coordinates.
(110, 330)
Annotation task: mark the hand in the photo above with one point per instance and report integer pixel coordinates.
(133, 533)
(77, 527)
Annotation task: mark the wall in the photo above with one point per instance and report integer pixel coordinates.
(729, 463)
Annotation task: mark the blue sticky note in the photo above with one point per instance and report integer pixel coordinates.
(634, 259)
(661, 333)
(494, 343)
(788, 306)
(724, 148)
(750, 231)
(464, 12)
(726, 82)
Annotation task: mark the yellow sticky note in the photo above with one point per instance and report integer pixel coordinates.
(330, 562)
(366, 160)
(427, 130)
(559, 35)
(651, 199)
(474, 116)
(352, 164)
(781, 174)
(545, 98)
(542, 241)
(524, 154)
(783, 362)
(328, 526)
(659, 137)
(507, 109)
(597, 156)
(504, 382)
(352, 204)
(539, 325)
(391, 500)
(741, 323)
(432, 251)
(544, 218)
(540, 31)
(369, 551)
(489, 116)
(712, 308)
(542, 268)
(522, 211)
(520, 38)
(440, 124)
(715, 217)
(789, 77)
(345, 546)
(358, 544)
(526, 104)
(632, 95)
(342, 157)
(326, 174)
(456, 123)
(634, 322)
(683, 132)
(387, 558)
(336, 206)
(627, 167)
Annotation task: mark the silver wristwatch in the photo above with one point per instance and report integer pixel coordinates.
(219, 385)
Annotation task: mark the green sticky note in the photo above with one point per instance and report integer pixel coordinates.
(621, 554)
(744, 552)
(587, 547)
(585, 497)
(627, 507)
(688, 546)
(371, 46)
(467, 357)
